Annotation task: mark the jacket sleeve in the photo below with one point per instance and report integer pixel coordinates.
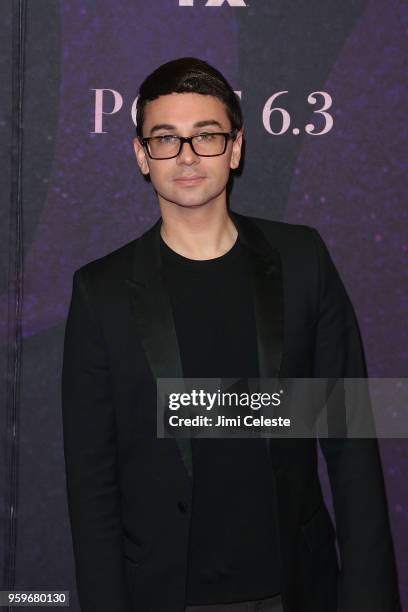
(90, 460)
(368, 576)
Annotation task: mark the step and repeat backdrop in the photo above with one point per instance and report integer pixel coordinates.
(323, 87)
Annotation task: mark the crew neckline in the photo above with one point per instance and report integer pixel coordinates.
(200, 264)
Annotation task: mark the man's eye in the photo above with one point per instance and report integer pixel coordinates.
(166, 139)
(205, 137)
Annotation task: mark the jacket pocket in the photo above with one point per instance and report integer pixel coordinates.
(318, 530)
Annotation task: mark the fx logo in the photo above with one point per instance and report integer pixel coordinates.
(214, 2)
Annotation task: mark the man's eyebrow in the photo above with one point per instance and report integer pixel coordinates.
(168, 126)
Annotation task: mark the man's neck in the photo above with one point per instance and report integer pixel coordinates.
(198, 233)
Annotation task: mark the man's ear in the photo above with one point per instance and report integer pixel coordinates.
(141, 156)
(236, 149)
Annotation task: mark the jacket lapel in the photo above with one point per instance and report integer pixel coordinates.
(268, 295)
(152, 307)
(154, 318)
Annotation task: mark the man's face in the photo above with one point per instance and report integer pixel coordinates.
(183, 111)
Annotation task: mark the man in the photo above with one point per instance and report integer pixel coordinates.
(212, 524)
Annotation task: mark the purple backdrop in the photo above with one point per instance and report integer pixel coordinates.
(82, 195)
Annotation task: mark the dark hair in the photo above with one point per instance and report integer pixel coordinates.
(183, 75)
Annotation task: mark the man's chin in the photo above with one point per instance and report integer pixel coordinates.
(188, 202)
(192, 204)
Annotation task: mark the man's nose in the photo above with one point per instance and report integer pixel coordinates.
(187, 154)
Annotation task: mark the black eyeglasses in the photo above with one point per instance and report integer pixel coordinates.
(206, 144)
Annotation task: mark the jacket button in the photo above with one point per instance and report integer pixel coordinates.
(182, 507)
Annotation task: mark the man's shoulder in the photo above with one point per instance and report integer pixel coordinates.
(110, 264)
(284, 235)
(114, 263)
(279, 227)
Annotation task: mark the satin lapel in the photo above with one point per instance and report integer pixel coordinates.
(268, 299)
(154, 318)
(268, 295)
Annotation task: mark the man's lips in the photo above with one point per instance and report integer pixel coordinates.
(188, 179)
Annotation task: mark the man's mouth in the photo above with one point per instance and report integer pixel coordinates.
(189, 179)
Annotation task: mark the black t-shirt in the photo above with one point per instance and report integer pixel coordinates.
(232, 545)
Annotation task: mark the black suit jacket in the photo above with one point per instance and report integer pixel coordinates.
(129, 493)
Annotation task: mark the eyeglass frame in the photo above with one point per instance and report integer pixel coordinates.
(189, 139)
